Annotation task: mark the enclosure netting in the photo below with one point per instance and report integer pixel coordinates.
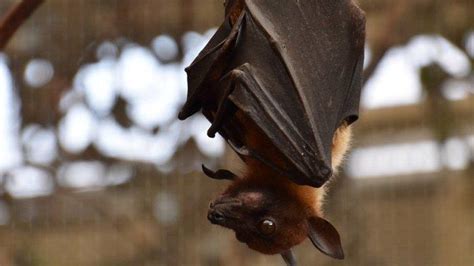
(95, 168)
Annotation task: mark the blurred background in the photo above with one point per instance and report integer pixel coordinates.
(95, 169)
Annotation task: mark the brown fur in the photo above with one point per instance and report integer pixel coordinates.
(257, 172)
(260, 190)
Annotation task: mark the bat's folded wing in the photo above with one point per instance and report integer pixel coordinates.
(208, 66)
(300, 66)
(309, 76)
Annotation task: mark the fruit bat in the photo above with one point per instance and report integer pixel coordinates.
(280, 81)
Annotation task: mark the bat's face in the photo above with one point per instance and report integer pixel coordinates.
(268, 221)
(272, 220)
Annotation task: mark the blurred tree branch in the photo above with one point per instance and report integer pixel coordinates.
(15, 17)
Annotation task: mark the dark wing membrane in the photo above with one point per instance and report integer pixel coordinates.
(208, 67)
(268, 96)
(320, 44)
(274, 114)
(300, 64)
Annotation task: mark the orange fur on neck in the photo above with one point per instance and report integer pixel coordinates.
(256, 172)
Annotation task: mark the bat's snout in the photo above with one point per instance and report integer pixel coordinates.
(220, 209)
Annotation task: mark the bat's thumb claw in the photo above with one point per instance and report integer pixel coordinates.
(182, 115)
(207, 171)
(211, 133)
(219, 175)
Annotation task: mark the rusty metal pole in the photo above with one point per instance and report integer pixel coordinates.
(14, 18)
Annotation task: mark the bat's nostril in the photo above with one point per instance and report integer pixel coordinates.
(215, 217)
(218, 216)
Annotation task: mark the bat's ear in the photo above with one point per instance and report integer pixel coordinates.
(325, 237)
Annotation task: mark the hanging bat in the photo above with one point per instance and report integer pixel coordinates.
(280, 81)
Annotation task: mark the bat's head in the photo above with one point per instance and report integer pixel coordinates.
(272, 220)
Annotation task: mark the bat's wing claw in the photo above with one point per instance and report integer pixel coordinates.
(209, 64)
(191, 106)
(211, 132)
(182, 115)
(220, 174)
(225, 108)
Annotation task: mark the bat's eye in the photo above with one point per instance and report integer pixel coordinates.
(267, 227)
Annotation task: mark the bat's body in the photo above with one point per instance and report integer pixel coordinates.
(280, 81)
(255, 171)
(288, 205)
